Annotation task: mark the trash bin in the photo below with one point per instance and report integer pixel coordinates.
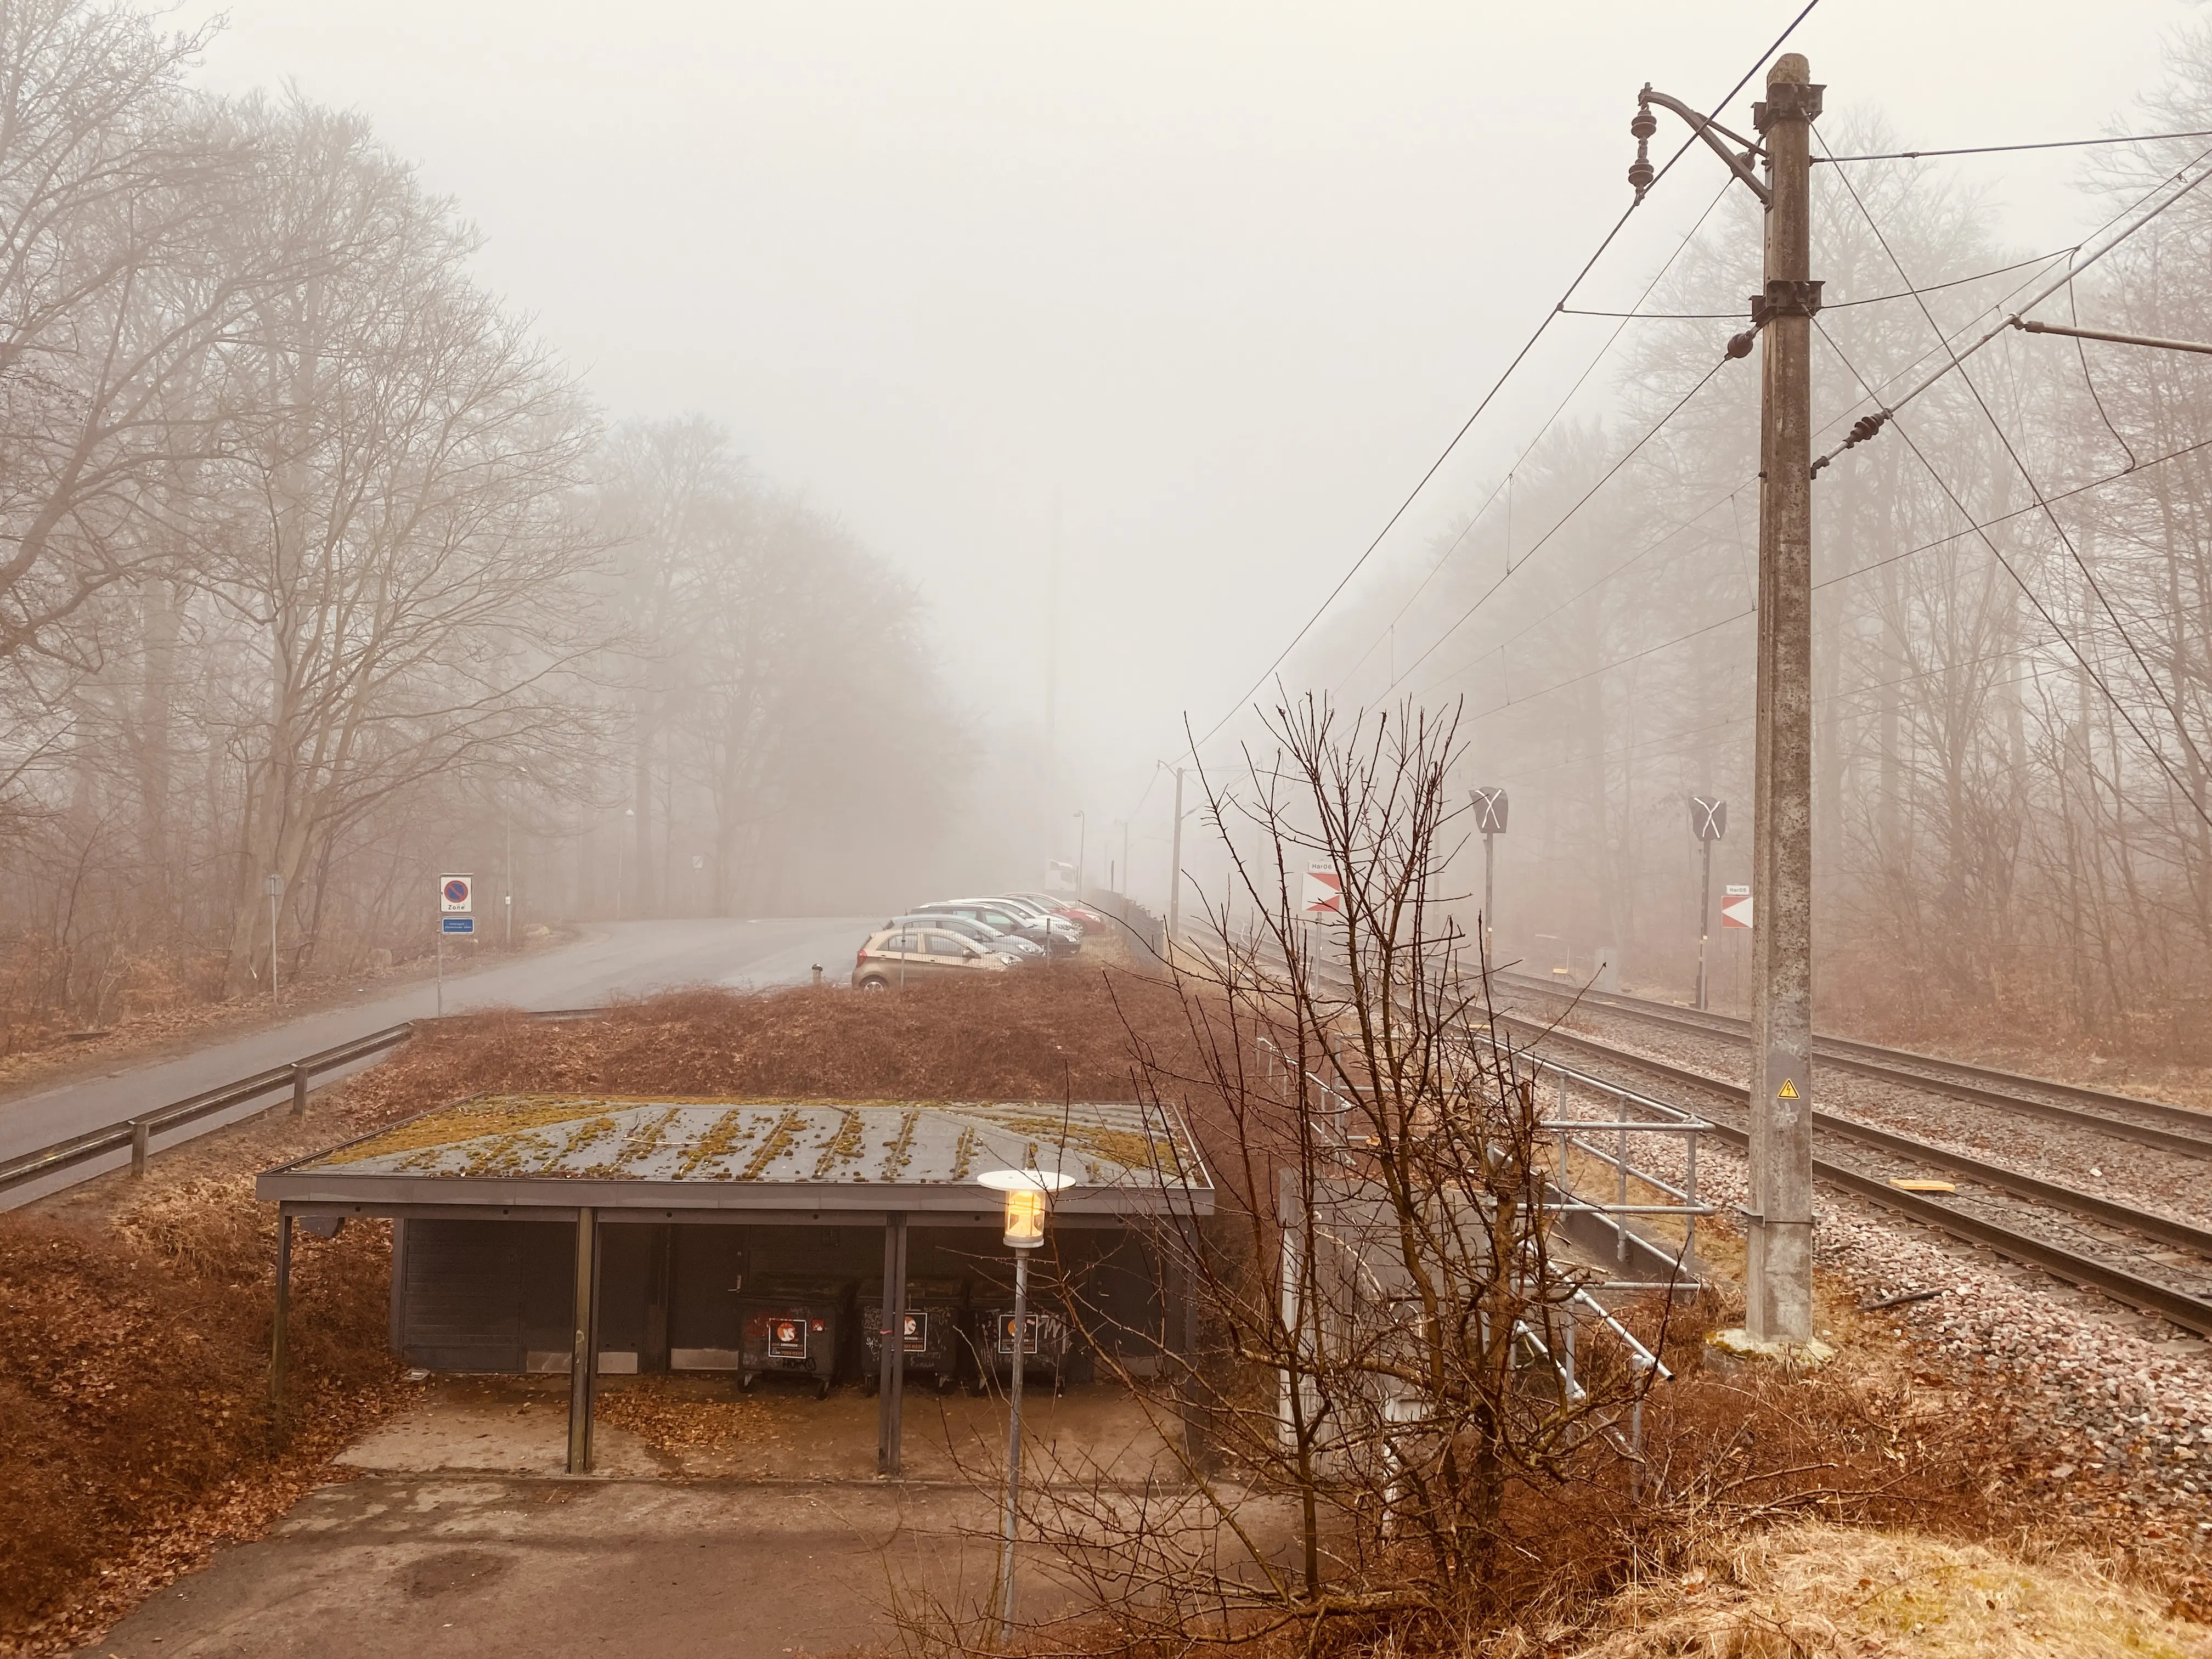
(790, 1328)
(1044, 1350)
(932, 1342)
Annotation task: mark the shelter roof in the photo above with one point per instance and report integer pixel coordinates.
(873, 1154)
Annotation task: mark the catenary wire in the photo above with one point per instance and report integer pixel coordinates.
(1604, 479)
(2020, 465)
(2096, 678)
(1974, 528)
(2001, 149)
(1944, 344)
(1498, 384)
(1955, 360)
(1826, 304)
(1505, 484)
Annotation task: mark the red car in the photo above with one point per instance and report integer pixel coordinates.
(1081, 915)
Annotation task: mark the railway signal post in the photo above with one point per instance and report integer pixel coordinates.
(1708, 822)
(1490, 809)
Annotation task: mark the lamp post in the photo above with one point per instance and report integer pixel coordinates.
(1082, 842)
(1028, 1194)
(273, 885)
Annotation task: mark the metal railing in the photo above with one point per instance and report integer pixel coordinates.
(1622, 1113)
(137, 1133)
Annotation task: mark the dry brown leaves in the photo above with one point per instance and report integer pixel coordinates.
(669, 1420)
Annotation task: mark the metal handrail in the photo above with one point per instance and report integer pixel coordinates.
(134, 1133)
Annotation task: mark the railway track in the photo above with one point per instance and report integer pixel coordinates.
(2147, 1261)
(2147, 1122)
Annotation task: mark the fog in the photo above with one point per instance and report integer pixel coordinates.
(887, 432)
(1220, 280)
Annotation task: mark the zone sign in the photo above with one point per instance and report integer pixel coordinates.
(456, 895)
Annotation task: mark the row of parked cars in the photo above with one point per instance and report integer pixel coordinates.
(972, 935)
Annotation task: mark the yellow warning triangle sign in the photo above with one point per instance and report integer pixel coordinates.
(1788, 1091)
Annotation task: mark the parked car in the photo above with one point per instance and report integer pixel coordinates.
(893, 956)
(1089, 920)
(1052, 918)
(1049, 933)
(976, 931)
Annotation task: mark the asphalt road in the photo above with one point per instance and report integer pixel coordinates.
(624, 958)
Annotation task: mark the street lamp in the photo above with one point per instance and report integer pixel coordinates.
(1082, 838)
(1028, 1195)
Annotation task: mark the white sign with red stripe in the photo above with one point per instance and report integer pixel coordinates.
(1323, 894)
(1736, 908)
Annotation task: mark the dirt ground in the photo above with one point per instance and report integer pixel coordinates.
(724, 1523)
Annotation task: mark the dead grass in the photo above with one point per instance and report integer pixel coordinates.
(1812, 1589)
(1043, 1034)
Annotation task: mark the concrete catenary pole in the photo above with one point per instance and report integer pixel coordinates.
(1780, 1290)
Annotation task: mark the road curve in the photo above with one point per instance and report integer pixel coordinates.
(614, 958)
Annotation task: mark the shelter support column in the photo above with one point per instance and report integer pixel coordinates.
(891, 1393)
(584, 1355)
(280, 1354)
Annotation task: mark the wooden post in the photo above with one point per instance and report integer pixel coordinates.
(891, 1388)
(279, 1343)
(140, 1135)
(583, 1354)
(299, 1088)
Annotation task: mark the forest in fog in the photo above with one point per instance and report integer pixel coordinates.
(2012, 652)
(314, 563)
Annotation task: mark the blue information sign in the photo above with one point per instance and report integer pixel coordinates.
(459, 924)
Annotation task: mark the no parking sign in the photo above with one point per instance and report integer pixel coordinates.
(456, 895)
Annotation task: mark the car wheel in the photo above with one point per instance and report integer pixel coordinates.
(873, 984)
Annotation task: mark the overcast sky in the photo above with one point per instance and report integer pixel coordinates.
(1219, 279)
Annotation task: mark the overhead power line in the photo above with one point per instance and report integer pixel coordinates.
(2001, 149)
(1581, 502)
(1973, 528)
(1497, 385)
(1826, 304)
(1504, 486)
(2020, 465)
(1955, 360)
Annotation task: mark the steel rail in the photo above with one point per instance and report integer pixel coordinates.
(1982, 1085)
(2193, 1312)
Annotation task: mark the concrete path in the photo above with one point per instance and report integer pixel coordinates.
(493, 1567)
(631, 957)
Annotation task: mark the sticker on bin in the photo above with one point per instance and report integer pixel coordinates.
(913, 1332)
(1006, 1333)
(786, 1339)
